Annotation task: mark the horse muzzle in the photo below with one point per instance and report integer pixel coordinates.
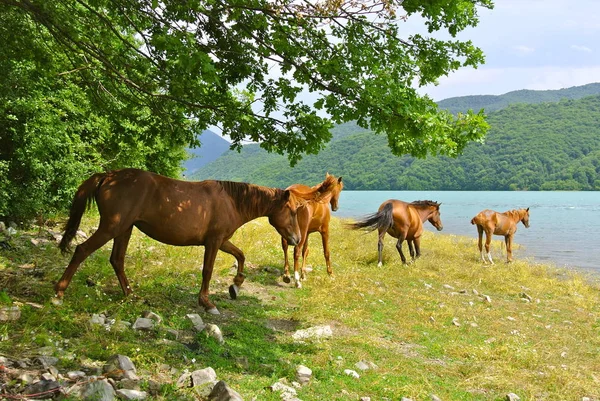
(440, 228)
(293, 240)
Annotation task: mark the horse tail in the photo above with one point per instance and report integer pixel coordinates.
(383, 219)
(84, 197)
(473, 221)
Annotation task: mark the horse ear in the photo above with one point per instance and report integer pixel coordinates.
(340, 180)
(286, 195)
(528, 209)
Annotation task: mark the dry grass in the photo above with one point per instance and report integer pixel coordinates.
(445, 325)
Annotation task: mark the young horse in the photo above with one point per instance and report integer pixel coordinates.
(404, 221)
(314, 216)
(499, 224)
(176, 213)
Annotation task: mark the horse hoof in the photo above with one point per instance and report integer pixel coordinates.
(286, 279)
(233, 291)
(379, 264)
(213, 311)
(298, 284)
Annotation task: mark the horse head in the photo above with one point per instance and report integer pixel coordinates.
(284, 219)
(335, 193)
(434, 217)
(524, 213)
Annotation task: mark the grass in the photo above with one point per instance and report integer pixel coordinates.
(446, 325)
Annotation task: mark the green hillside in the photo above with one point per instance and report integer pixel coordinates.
(546, 146)
(494, 103)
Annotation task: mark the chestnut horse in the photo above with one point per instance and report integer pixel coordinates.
(499, 224)
(313, 217)
(176, 213)
(404, 221)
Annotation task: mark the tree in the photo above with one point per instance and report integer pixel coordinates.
(99, 84)
(242, 65)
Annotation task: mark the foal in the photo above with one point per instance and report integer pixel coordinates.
(313, 217)
(499, 224)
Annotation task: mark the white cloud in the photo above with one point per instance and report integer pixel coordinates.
(524, 49)
(581, 48)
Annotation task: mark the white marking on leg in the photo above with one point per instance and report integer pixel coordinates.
(379, 264)
(213, 311)
(483, 257)
(236, 289)
(490, 257)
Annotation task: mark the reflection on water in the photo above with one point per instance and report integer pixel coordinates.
(564, 226)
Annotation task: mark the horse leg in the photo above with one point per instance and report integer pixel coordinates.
(210, 254)
(480, 242)
(238, 280)
(411, 249)
(286, 263)
(82, 251)
(326, 253)
(117, 259)
(304, 258)
(297, 251)
(399, 248)
(508, 241)
(488, 241)
(380, 248)
(417, 243)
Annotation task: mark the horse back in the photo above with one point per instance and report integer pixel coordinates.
(406, 220)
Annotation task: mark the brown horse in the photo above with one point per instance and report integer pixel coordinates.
(499, 224)
(313, 217)
(404, 221)
(176, 213)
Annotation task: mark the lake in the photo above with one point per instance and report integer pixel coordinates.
(564, 226)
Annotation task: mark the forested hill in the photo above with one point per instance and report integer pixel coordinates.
(546, 146)
(494, 103)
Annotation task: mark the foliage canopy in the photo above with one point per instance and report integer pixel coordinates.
(109, 83)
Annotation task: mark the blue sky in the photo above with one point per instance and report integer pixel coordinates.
(528, 44)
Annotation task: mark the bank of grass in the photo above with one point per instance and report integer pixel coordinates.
(447, 325)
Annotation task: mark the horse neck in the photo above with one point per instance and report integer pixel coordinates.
(252, 201)
(424, 212)
(514, 215)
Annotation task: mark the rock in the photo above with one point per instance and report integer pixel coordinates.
(99, 390)
(127, 394)
(202, 376)
(75, 374)
(152, 316)
(303, 374)
(10, 313)
(143, 323)
(352, 373)
(214, 331)
(46, 361)
(119, 366)
(362, 365)
(97, 319)
(26, 378)
(222, 392)
(196, 321)
(2, 226)
(43, 388)
(316, 332)
(286, 392)
(512, 397)
(435, 398)
(365, 398)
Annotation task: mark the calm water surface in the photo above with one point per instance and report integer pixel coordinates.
(564, 226)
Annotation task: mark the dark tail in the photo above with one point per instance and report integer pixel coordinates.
(473, 221)
(382, 219)
(84, 197)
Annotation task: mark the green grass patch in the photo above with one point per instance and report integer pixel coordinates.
(445, 325)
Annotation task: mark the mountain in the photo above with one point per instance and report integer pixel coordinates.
(541, 146)
(494, 103)
(213, 146)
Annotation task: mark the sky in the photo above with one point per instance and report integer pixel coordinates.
(528, 44)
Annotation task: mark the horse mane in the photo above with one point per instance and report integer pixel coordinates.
(254, 198)
(425, 203)
(318, 193)
(515, 213)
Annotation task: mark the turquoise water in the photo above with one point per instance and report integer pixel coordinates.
(564, 226)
